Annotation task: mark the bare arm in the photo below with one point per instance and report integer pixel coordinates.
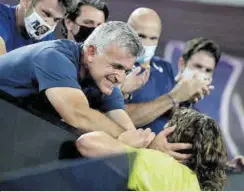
(2, 46)
(96, 144)
(120, 117)
(73, 107)
(144, 113)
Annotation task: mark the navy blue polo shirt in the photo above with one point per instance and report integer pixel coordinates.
(160, 82)
(8, 31)
(34, 68)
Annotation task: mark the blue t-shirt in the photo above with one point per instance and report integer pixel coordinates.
(8, 31)
(160, 82)
(34, 68)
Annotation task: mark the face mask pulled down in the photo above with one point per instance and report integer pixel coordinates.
(36, 27)
(148, 54)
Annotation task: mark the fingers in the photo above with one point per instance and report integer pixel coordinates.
(137, 70)
(149, 136)
(179, 156)
(201, 93)
(168, 131)
(147, 74)
(179, 146)
(146, 136)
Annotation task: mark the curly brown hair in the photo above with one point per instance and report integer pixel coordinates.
(209, 154)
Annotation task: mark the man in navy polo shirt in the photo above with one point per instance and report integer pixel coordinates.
(63, 69)
(148, 106)
(29, 21)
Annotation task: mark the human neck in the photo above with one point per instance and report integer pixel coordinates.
(70, 36)
(20, 13)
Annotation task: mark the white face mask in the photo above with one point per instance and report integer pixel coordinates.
(149, 53)
(36, 27)
(189, 73)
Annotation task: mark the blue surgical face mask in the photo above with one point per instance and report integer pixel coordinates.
(148, 54)
(36, 27)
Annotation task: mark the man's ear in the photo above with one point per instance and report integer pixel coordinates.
(181, 68)
(181, 64)
(91, 52)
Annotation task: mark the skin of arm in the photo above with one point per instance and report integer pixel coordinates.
(97, 144)
(144, 113)
(73, 107)
(120, 117)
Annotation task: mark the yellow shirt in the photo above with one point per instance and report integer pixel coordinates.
(154, 170)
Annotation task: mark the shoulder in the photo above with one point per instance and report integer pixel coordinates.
(162, 66)
(6, 16)
(63, 47)
(160, 61)
(6, 11)
(50, 56)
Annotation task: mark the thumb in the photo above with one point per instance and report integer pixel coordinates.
(168, 131)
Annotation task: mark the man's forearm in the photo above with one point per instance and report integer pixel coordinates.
(98, 144)
(144, 113)
(92, 120)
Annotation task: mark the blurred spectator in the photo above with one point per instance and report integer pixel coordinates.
(236, 164)
(58, 70)
(81, 21)
(148, 105)
(29, 21)
(154, 170)
(199, 55)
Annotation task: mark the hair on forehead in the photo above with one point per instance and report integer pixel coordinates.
(201, 44)
(73, 13)
(115, 33)
(65, 4)
(209, 154)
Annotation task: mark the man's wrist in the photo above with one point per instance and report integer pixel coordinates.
(173, 99)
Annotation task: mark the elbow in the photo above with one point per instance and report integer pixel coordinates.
(84, 145)
(91, 144)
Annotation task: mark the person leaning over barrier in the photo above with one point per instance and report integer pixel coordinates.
(60, 70)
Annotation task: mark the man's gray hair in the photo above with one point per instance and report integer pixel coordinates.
(118, 33)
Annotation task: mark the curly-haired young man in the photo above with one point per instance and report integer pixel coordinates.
(155, 170)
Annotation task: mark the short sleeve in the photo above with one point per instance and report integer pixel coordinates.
(113, 101)
(54, 69)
